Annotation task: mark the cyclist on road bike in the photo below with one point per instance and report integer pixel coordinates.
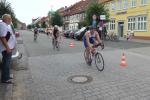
(91, 37)
(55, 34)
(35, 31)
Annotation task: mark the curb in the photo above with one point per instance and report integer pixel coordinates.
(19, 66)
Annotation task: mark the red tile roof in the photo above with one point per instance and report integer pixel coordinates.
(103, 1)
(76, 8)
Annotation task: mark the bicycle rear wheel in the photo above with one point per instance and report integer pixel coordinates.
(53, 43)
(115, 38)
(35, 38)
(57, 45)
(99, 61)
(88, 59)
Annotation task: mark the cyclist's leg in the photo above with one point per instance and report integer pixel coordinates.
(93, 42)
(53, 42)
(56, 42)
(87, 49)
(34, 36)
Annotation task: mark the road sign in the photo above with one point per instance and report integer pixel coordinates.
(102, 17)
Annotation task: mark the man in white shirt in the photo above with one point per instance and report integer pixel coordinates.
(7, 44)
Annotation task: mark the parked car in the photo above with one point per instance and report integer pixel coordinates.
(71, 34)
(79, 34)
(41, 30)
(66, 33)
(15, 53)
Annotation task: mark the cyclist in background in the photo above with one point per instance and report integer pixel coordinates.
(35, 33)
(55, 34)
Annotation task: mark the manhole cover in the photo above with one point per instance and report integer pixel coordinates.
(80, 79)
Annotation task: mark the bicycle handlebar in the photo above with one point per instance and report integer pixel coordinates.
(99, 44)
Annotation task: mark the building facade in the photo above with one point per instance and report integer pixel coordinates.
(77, 14)
(2, 0)
(74, 14)
(129, 16)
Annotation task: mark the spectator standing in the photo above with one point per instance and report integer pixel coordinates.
(7, 44)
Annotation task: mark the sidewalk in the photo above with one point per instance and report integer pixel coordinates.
(6, 90)
(136, 40)
(141, 41)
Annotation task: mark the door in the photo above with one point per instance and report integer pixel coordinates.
(120, 29)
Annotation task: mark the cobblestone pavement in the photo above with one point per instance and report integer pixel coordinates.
(47, 77)
(5, 92)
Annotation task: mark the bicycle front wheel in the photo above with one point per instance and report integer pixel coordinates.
(87, 57)
(99, 61)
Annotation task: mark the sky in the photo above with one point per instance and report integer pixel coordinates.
(25, 10)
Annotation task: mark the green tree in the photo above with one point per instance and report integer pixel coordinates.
(43, 25)
(82, 24)
(97, 9)
(37, 25)
(33, 26)
(56, 19)
(5, 8)
(29, 26)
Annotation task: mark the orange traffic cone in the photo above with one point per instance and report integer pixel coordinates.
(123, 61)
(71, 45)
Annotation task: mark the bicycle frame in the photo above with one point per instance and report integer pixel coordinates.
(55, 43)
(94, 54)
(35, 37)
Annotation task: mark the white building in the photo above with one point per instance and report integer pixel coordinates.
(74, 14)
(74, 21)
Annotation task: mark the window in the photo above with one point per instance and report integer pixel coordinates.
(125, 4)
(142, 23)
(133, 3)
(131, 23)
(113, 6)
(119, 4)
(143, 2)
(107, 26)
(112, 25)
(137, 23)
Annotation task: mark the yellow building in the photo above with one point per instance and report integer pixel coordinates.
(129, 16)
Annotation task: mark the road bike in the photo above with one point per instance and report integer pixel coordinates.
(56, 44)
(35, 37)
(112, 36)
(96, 55)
